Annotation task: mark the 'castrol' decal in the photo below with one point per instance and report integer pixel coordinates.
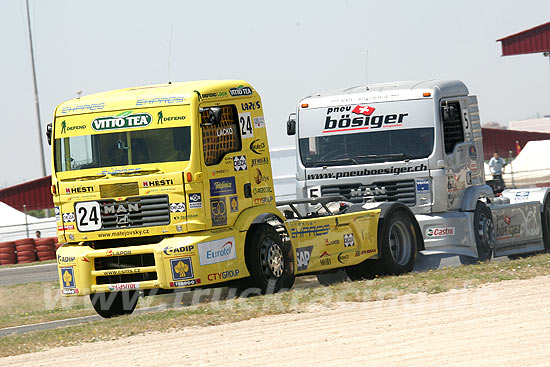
(440, 232)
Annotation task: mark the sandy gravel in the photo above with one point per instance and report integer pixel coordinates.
(502, 324)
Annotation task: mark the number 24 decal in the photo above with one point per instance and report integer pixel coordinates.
(246, 125)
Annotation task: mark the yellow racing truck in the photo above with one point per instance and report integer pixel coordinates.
(168, 187)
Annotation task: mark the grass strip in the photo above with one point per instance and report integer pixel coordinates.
(206, 312)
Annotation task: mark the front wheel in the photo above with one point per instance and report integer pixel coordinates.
(484, 234)
(266, 260)
(114, 304)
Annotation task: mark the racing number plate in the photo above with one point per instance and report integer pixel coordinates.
(88, 216)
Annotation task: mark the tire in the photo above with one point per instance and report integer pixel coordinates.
(114, 304)
(8, 261)
(44, 248)
(6, 246)
(332, 278)
(23, 248)
(4, 256)
(484, 234)
(266, 261)
(24, 241)
(397, 242)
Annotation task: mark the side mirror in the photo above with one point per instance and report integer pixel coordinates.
(291, 124)
(49, 133)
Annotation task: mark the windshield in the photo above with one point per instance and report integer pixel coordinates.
(123, 148)
(366, 147)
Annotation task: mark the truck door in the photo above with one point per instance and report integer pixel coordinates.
(462, 154)
(225, 167)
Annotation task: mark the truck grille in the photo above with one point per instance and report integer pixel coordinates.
(400, 191)
(124, 262)
(135, 212)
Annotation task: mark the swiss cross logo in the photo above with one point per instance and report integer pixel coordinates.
(145, 183)
(363, 110)
(507, 219)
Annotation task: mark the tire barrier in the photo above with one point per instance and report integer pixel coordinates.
(7, 253)
(28, 250)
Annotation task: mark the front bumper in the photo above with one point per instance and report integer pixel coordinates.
(185, 261)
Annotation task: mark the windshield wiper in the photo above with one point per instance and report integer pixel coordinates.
(389, 155)
(137, 173)
(332, 162)
(84, 178)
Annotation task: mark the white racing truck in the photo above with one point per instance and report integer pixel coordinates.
(418, 143)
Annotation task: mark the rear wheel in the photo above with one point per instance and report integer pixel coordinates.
(266, 261)
(397, 243)
(114, 304)
(484, 233)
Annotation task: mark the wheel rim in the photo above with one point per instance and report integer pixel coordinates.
(486, 231)
(400, 241)
(272, 259)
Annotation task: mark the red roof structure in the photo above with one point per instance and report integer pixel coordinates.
(530, 41)
(30, 195)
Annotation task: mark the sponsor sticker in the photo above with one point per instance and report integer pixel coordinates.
(325, 259)
(68, 217)
(182, 268)
(169, 251)
(177, 207)
(239, 163)
(259, 122)
(222, 186)
(440, 232)
(67, 277)
(122, 286)
(303, 255)
(218, 211)
(240, 91)
(123, 120)
(260, 161)
(423, 186)
(349, 241)
(343, 258)
(472, 152)
(185, 283)
(522, 195)
(57, 214)
(309, 230)
(70, 291)
(217, 251)
(234, 204)
(250, 106)
(223, 275)
(257, 146)
(195, 201)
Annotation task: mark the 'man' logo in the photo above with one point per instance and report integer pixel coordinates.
(123, 120)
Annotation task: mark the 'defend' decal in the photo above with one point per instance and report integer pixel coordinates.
(123, 120)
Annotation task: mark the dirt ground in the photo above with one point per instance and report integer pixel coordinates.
(502, 324)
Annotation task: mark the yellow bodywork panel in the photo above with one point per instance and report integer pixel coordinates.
(333, 241)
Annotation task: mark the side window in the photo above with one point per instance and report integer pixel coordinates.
(453, 132)
(220, 132)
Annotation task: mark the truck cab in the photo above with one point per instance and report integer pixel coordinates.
(416, 142)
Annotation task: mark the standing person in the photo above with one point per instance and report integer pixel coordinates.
(496, 163)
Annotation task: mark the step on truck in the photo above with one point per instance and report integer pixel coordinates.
(419, 144)
(169, 187)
